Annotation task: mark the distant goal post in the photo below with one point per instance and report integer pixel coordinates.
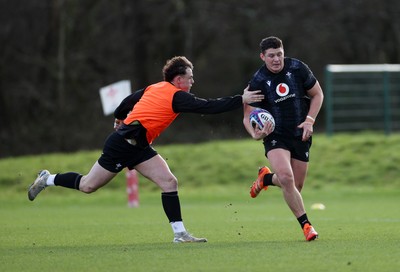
(362, 97)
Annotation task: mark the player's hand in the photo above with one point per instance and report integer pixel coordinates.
(264, 132)
(117, 123)
(307, 130)
(249, 97)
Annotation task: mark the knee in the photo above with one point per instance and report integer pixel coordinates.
(85, 186)
(172, 182)
(87, 189)
(168, 184)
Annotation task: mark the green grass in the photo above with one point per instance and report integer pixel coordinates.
(359, 231)
(367, 159)
(355, 176)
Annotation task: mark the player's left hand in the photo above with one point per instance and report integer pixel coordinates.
(117, 123)
(307, 130)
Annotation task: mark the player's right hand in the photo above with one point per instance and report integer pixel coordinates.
(249, 97)
(264, 132)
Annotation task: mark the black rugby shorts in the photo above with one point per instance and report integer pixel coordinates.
(118, 154)
(298, 149)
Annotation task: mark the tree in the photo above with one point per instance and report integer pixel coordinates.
(56, 54)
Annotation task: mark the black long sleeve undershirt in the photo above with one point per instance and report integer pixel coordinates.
(184, 102)
(187, 102)
(127, 104)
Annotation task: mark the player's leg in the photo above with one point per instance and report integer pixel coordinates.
(285, 177)
(101, 173)
(280, 162)
(300, 172)
(265, 176)
(156, 169)
(89, 183)
(113, 159)
(299, 162)
(96, 178)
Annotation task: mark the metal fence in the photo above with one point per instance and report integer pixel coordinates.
(362, 97)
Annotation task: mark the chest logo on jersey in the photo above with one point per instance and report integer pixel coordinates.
(282, 89)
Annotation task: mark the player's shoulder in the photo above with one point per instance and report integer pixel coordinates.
(260, 74)
(294, 63)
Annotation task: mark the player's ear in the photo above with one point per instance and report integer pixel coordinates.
(262, 56)
(177, 80)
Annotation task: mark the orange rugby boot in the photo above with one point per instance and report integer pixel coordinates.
(309, 232)
(258, 185)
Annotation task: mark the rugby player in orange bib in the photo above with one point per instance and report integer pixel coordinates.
(140, 119)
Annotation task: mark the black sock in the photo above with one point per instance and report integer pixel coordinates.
(267, 181)
(68, 180)
(172, 206)
(303, 220)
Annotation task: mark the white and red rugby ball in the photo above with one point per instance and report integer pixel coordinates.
(260, 116)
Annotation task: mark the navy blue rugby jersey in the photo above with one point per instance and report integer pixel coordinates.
(285, 95)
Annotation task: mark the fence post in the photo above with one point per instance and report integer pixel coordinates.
(386, 99)
(329, 110)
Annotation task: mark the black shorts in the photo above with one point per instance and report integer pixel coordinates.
(118, 154)
(298, 149)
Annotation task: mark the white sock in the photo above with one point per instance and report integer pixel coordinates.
(177, 226)
(50, 180)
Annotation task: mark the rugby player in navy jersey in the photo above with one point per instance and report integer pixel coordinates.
(294, 97)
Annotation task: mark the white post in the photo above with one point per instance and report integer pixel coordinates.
(132, 188)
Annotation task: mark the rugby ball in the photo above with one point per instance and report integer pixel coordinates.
(260, 117)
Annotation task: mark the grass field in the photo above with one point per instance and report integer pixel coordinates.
(64, 230)
(359, 231)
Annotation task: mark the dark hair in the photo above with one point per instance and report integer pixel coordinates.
(270, 42)
(176, 66)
